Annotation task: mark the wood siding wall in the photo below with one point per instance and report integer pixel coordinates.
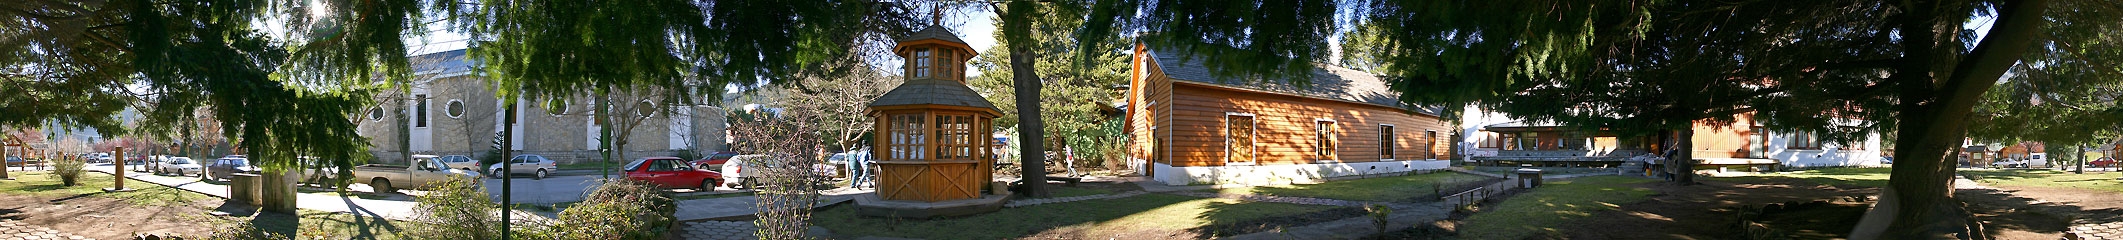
(1149, 106)
(1284, 126)
(1725, 140)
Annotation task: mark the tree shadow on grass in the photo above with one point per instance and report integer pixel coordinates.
(1231, 219)
(2002, 210)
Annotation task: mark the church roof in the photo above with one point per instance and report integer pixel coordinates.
(933, 91)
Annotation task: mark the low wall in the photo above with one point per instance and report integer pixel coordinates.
(1283, 174)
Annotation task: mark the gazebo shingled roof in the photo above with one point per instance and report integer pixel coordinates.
(933, 91)
(932, 32)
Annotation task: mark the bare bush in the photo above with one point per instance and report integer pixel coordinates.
(790, 183)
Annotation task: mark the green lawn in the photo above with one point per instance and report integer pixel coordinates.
(1148, 212)
(1395, 188)
(1076, 191)
(44, 183)
(1539, 211)
(2047, 178)
(1841, 177)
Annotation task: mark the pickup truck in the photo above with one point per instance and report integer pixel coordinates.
(423, 173)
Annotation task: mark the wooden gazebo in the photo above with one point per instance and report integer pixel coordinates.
(932, 131)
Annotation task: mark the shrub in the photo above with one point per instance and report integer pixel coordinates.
(458, 209)
(621, 209)
(69, 170)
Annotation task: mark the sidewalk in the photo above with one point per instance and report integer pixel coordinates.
(697, 209)
(328, 202)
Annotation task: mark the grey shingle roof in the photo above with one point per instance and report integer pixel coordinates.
(451, 61)
(933, 91)
(933, 32)
(1328, 82)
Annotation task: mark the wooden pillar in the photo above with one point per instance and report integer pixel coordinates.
(117, 170)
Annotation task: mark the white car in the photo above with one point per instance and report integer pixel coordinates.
(538, 166)
(182, 166)
(735, 176)
(2009, 163)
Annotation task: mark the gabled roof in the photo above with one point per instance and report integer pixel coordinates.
(1328, 82)
(445, 63)
(933, 91)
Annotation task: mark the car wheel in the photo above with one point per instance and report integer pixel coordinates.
(706, 185)
(497, 174)
(540, 175)
(383, 186)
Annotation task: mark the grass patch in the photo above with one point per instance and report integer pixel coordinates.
(2048, 178)
(1541, 210)
(1841, 177)
(1148, 212)
(1061, 192)
(336, 225)
(711, 196)
(92, 184)
(1395, 188)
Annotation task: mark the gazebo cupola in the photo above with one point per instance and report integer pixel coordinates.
(932, 131)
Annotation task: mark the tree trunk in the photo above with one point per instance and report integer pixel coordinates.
(604, 133)
(1017, 32)
(1682, 163)
(1936, 101)
(405, 128)
(508, 142)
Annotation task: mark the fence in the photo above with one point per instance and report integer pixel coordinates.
(1476, 195)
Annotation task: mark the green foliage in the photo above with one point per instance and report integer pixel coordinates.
(1269, 38)
(622, 209)
(1074, 96)
(458, 208)
(69, 170)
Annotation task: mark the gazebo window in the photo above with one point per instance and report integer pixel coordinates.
(954, 137)
(921, 63)
(908, 140)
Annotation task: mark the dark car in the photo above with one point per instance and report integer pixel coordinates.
(226, 167)
(715, 160)
(672, 172)
(2103, 162)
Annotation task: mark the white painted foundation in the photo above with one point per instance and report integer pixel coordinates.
(1283, 174)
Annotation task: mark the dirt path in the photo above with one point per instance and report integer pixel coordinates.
(107, 218)
(2013, 212)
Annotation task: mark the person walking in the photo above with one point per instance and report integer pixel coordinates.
(858, 171)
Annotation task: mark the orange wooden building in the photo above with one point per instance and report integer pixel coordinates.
(1194, 127)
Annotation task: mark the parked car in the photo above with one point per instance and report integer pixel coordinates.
(714, 160)
(1887, 160)
(459, 162)
(537, 166)
(423, 173)
(735, 169)
(2103, 162)
(226, 167)
(2009, 163)
(16, 161)
(672, 172)
(182, 166)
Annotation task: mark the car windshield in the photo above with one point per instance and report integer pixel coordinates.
(636, 165)
(238, 162)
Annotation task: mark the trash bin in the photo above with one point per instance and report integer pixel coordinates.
(1528, 177)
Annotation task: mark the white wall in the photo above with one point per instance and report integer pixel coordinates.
(1283, 174)
(1472, 120)
(1829, 155)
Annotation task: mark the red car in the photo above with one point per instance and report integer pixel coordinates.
(714, 161)
(672, 172)
(2103, 162)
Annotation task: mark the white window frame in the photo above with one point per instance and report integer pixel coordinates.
(375, 114)
(460, 104)
(1253, 135)
(1385, 142)
(1336, 137)
(421, 110)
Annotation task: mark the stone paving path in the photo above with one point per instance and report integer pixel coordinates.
(13, 230)
(733, 230)
(1031, 202)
